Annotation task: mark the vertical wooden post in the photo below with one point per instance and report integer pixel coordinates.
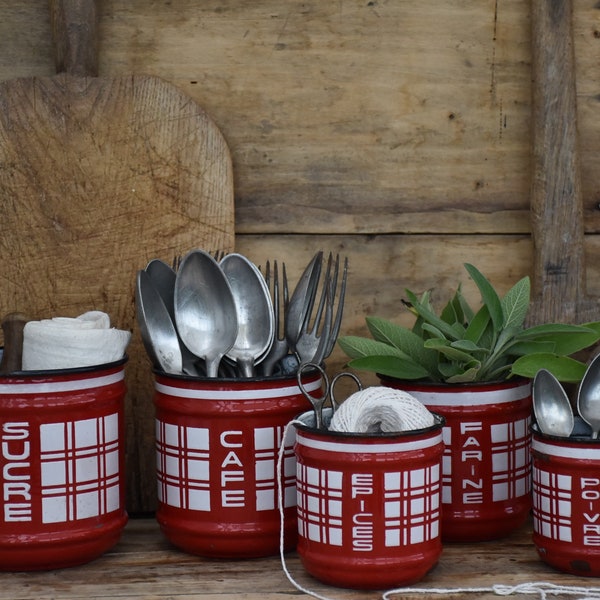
(556, 202)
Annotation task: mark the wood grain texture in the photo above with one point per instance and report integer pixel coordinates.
(395, 112)
(559, 273)
(349, 117)
(100, 175)
(397, 132)
(144, 566)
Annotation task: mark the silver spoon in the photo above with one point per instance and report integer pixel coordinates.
(157, 329)
(256, 320)
(551, 405)
(163, 277)
(588, 396)
(205, 311)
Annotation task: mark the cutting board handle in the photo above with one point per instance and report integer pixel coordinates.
(75, 35)
(12, 326)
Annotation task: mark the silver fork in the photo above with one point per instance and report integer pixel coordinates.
(335, 328)
(280, 346)
(314, 341)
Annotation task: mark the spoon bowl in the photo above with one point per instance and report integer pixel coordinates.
(588, 396)
(163, 278)
(156, 327)
(551, 405)
(205, 311)
(255, 316)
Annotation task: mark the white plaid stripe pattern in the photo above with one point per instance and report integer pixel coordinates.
(510, 460)
(319, 504)
(411, 507)
(552, 511)
(267, 441)
(511, 465)
(79, 469)
(183, 465)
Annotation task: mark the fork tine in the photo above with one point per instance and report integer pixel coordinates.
(319, 334)
(286, 291)
(279, 298)
(276, 299)
(322, 300)
(300, 298)
(334, 277)
(319, 354)
(335, 328)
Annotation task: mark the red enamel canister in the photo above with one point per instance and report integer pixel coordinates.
(486, 487)
(368, 505)
(566, 502)
(62, 466)
(217, 444)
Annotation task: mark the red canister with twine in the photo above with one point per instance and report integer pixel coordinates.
(368, 504)
(62, 466)
(217, 444)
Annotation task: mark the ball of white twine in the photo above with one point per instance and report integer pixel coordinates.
(380, 409)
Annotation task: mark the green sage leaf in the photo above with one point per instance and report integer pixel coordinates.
(452, 313)
(467, 376)
(467, 311)
(357, 347)
(488, 295)
(428, 316)
(568, 339)
(443, 347)
(478, 325)
(434, 331)
(404, 339)
(533, 347)
(450, 369)
(515, 303)
(390, 366)
(468, 346)
(564, 368)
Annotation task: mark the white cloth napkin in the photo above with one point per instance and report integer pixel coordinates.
(380, 409)
(66, 343)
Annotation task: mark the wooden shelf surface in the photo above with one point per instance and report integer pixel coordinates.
(145, 565)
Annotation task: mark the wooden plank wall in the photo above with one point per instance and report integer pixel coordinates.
(394, 132)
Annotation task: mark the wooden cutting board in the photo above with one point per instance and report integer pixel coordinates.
(99, 175)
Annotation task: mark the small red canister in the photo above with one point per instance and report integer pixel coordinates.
(61, 465)
(217, 444)
(566, 502)
(368, 504)
(486, 489)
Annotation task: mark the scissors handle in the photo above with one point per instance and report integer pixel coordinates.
(334, 404)
(317, 401)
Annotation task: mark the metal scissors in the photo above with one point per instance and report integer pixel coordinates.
(318, 402)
